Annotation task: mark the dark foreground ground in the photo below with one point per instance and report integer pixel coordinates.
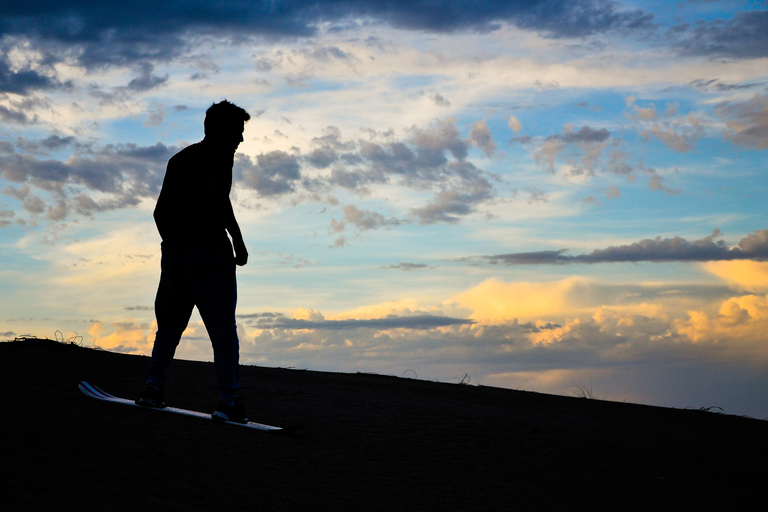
(370, 442)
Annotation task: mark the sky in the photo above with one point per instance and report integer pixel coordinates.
(550, 196)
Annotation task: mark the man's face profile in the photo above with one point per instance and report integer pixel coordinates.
(228, 136)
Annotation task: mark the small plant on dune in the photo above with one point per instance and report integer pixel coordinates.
(72, 340)
(582, 390)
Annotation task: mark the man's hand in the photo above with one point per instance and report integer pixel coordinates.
(241, 254)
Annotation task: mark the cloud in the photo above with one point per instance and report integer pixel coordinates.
(145, 80)
(11, 115)
(139, 308)
(743, 274)
(118, 175)
(744, 319)
(677, 132)
(496, 302)
(743, 37)
(407, 266)
(480, 135)
(671, 139)
(329, 53)
(5, 218)
(109, 34)
(126, 337)
(314, 320)
(656, 183)
(581, 150)
(720, 86)
(433, 158)
(24, 81)
(586, 135)
(514, 124)
(439, 100)
(574, 327)
(453, 203)
(275, 173)
(327, 148)
(44, 146)
(747, 121)
(753, 247)
(542, 336)
(362, 220)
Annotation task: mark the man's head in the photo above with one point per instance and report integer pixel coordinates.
(224, 123)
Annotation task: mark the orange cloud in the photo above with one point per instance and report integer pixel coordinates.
(738, 328)
(744, 274)
(494, 301)
(127, 337)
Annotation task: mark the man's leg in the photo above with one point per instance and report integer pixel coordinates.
(216, 299)
(173, 307)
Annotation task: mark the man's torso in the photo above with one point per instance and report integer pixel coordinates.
(192, 208)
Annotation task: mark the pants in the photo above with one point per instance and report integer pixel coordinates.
(204, 278)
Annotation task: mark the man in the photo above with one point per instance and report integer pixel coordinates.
(194, 215)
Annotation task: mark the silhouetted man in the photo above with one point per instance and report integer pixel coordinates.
(194, 215)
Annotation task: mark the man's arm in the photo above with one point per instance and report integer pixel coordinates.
(164, 209)
(241, 254)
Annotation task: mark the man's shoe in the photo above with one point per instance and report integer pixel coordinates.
(230, 412)
(151, 397)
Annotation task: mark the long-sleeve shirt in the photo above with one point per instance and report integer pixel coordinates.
(194, 209)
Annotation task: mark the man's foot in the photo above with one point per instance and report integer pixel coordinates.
(151, 397)
(226, 411)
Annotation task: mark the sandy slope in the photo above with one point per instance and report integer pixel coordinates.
(370, 443)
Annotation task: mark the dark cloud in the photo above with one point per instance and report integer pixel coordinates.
(55, 142)
(753, 247)
(121, 174)
(273, 174)
(743, 37)
(23, 81)
(450, 204)
(421, 322)
(717, 85)
(322, 157)
(431, 158)
(145, 79)
(11, 115)
(562, 19)
(115, 33)
(44, 146)
(585, 134)
(327, 148)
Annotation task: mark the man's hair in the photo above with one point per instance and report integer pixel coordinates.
(223, 115)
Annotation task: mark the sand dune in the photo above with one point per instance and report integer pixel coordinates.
(370, 442)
